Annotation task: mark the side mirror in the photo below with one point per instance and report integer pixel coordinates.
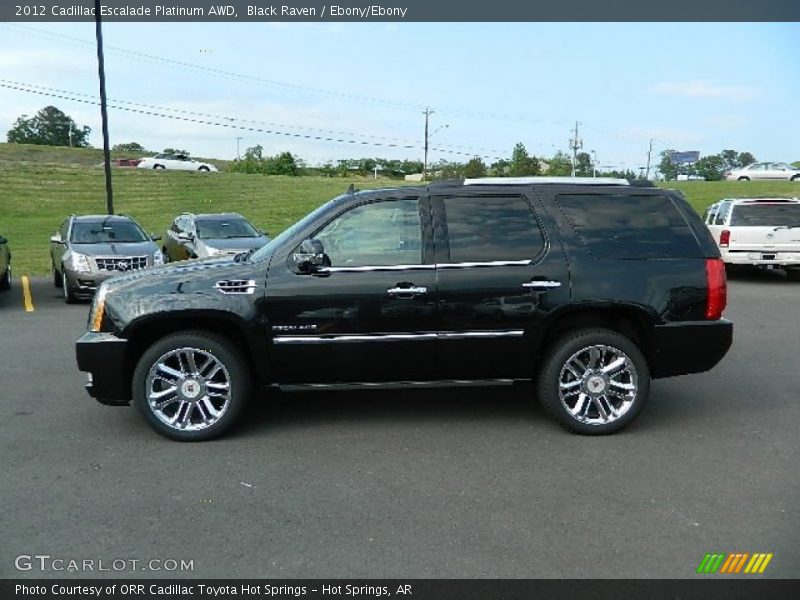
(3, 240)
(56, 239)
(310, 256)
(155, 238)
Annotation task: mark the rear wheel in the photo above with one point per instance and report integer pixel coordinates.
(795, 178)
(744, 179)
(158, 166)
(191, 386)
(56, 277)
(594, 381)
(5, 281)
(793, 274)
(203, 169)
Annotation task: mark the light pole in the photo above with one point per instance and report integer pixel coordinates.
(101, 72)
(238, 139)
(594, 163)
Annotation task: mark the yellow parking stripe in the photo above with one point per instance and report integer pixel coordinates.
(767, 558)
(27, 299)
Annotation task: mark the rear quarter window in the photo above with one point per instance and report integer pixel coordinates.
(766, 215)
(629, 226)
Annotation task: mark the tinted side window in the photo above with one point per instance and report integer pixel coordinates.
(491, 228)
(722, 213)
(376, 234)
(630, 226)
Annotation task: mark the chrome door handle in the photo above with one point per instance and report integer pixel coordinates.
(414, 291)
(541, 285)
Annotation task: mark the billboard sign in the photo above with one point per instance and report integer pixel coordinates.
(684, 158)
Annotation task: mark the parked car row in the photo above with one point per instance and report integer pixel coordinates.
(757, 232)
(86, 250)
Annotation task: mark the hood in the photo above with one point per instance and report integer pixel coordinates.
(247, 243)
(114, 249)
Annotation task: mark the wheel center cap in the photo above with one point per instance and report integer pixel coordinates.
(191, 389)
(596, 384)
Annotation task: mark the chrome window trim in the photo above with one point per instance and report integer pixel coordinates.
(389, 337)
(488, 263)
(458, 265)
(374, 268)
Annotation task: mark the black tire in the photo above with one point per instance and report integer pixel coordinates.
(56, 277)
(206, 169)
(793, 274)
(571, 344)
(795, 178)
(5, 281)
(159, 167)
(744, 179)
(69, 296)
(235, 370)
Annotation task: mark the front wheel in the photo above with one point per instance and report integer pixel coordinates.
(69, 295)
(795, 178)
(744, 179)
(594, 381)
(793, 274)
(191, 386)
(206, 169)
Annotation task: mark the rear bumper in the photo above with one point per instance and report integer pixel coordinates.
(689, 347)
(760, 257)
(102, 356)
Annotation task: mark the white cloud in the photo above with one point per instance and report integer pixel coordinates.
(705, 89)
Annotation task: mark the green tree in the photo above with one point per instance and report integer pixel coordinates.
(175, 151)
(500, 168)
(475, 168)
(559, 165)
(49, 127)
(584, 167)
(522, 163)
(281, 164)
(129, 147)
(796, 164)
(668, 169)
(711, 167)
(745, 158)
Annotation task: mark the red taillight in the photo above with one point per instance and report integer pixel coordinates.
(724, 238)
(717, 288)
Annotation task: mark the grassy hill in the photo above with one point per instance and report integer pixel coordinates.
(41, 185)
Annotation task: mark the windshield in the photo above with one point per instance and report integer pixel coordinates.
(287, 234)
(766, 215)
(223, 229)
(107, 232)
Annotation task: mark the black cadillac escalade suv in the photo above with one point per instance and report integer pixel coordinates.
(588, 288)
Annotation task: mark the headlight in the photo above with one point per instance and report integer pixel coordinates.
(98, 311)
(79, 262)
(158, 258)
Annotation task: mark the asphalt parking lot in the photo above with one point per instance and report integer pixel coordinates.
(465, 483)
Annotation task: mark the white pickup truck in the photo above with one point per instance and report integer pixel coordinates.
(762, 232)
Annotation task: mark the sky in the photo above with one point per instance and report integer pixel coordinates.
(696, 86)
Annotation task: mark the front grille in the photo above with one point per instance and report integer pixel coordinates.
(121, 263)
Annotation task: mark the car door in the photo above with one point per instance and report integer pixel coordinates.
(370, 315)
(498, 274)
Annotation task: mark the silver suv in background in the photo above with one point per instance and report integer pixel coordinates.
(760, 232)
(87, 250)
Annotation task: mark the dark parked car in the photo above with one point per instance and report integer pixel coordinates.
(204, 236)
(87, 250)
(5, 265)
(587, 288)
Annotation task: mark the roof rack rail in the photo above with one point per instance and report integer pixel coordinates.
(562, 180)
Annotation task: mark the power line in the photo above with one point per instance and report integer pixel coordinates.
(231, 124)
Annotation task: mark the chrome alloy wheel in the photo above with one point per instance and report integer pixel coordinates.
(598, 384)
(188, 389)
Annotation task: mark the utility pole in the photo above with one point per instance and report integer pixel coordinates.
(649, 152)
(594, 163)
(238, 139)
(101, 72)
(428, 112)
(575, 143)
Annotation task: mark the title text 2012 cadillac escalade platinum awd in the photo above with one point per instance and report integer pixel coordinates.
(588, 288)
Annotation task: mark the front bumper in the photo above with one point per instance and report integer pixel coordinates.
(103, 356)
(85, 284)
(689, 347)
